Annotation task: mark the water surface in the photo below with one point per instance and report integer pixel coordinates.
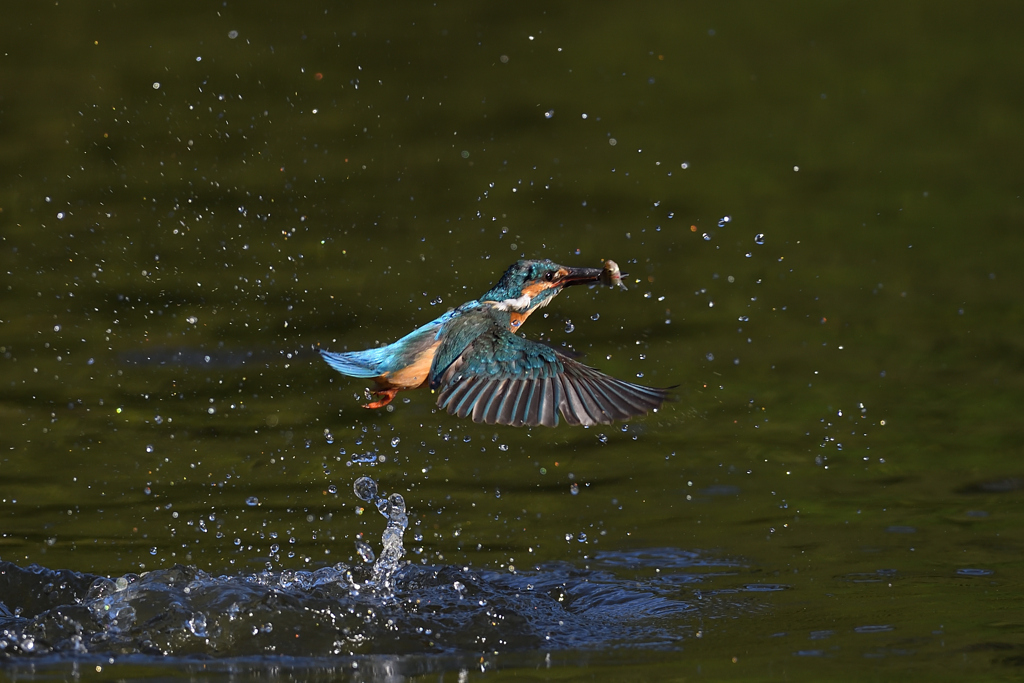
(818, 209)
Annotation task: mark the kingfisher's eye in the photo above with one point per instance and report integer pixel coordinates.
(549, 276)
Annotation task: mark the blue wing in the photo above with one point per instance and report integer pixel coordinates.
(484, 372)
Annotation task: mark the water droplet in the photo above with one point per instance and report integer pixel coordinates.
(435, 301)
(252, 501)
(396, 507)
(332, 489)
(596, 316)
(365, 489)
(232, 34)
(710, 356)
(707, 237)
(574, 489)
(365, 551)
(744, 318)
(759, 238)
(569, 327)
(395, 441)
(149, 448)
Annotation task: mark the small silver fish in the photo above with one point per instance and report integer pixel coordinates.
(611, 276)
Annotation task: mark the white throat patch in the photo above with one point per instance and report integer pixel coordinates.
(520, 304)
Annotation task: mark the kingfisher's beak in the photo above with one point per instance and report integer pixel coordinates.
(581, 276)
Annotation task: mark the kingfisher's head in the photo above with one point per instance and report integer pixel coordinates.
(527, 285)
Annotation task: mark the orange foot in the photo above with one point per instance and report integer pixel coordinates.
(386, 396)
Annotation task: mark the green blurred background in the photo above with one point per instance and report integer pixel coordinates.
(193, 196)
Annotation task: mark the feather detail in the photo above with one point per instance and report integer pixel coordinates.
(361, 364)
(485, 372)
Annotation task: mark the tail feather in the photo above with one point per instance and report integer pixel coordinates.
(362, 364)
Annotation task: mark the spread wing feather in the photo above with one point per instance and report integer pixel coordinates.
(484, 372)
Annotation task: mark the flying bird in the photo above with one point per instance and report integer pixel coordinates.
(478, 366)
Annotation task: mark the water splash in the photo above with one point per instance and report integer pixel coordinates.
(174, 615)
(185, 612)
(393, 509)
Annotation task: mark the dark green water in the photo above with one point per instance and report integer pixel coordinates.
(193, 197)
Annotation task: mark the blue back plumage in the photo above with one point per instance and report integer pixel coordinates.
(386, 359)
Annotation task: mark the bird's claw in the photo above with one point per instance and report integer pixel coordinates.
(386, 396)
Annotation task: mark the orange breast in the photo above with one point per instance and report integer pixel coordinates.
(415, 374)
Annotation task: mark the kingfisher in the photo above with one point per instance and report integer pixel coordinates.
(480, 368)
